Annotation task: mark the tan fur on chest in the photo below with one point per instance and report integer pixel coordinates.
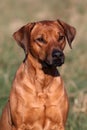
(42, 104)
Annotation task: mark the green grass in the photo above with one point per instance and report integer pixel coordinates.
(13, 15)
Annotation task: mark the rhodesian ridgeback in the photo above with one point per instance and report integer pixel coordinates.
(38, 99)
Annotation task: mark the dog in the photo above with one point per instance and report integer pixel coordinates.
(38, 99)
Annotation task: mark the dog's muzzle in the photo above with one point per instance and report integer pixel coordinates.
(57, 58)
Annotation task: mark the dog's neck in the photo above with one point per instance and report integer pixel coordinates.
(39, 76)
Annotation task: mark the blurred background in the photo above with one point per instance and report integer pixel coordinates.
(16, 13)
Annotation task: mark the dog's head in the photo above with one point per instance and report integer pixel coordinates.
(46, 40)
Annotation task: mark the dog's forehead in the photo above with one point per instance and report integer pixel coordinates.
(47, 26)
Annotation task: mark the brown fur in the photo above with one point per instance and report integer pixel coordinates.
(38, 99)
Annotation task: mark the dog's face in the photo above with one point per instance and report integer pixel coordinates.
(46, 40)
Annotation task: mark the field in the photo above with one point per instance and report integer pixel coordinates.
(14, 14)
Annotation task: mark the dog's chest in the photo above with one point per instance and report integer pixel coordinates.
(42, 107)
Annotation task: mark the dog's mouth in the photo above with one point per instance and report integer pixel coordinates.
(58, 62)
(54, 63)
(56, 59)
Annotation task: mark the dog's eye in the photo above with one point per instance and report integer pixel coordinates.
(61, 38)
(41, 39)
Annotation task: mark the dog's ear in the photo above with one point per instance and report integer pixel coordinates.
(69, 31)
(22, 36)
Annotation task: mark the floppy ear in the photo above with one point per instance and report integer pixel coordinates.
(22, 36)
(70, 32)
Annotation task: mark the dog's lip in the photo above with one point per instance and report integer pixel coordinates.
(55, 64)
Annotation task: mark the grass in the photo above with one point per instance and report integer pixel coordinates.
(14, 14)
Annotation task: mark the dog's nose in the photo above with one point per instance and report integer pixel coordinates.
(57, 54)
